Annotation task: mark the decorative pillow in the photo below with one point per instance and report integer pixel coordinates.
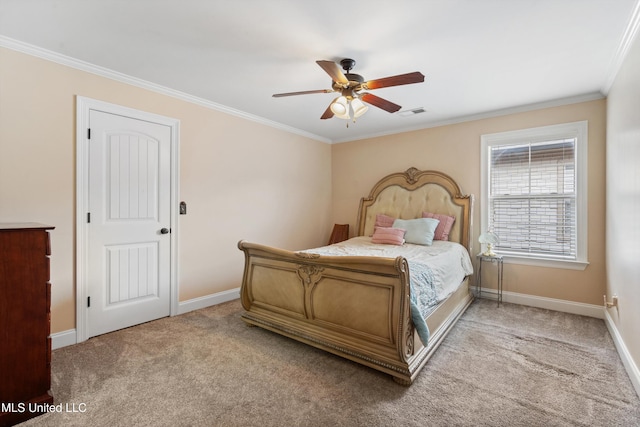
(444, 227)
(384, 221)
(388, 236)
(420, 231)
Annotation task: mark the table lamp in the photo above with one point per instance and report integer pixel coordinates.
(489, 238)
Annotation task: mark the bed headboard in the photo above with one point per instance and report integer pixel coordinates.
(407, 194)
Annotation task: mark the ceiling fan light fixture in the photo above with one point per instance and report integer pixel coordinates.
(340, 107)
(344, 116)
(359, 108)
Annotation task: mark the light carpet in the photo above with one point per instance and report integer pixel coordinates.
(500, 366)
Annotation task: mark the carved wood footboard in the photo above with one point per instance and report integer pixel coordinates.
(357, 307)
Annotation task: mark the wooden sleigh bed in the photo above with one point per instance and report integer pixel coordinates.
(359, 307)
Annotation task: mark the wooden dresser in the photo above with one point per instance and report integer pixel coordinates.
(25, 300)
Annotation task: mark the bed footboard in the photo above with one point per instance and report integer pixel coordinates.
(355, 307)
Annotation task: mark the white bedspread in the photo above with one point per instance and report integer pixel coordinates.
(449, 261)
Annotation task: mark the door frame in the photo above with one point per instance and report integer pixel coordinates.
(83, 107)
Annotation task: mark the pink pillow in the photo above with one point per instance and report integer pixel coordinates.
(444, 227)
(384, 221)
(388, 236)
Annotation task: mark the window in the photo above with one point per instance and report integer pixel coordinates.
(534, 194)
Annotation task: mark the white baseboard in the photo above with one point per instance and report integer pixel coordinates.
(208, 300)
(625, 356)
(564, 306)
(65, 338)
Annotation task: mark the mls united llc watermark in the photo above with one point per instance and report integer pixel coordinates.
(40, 408)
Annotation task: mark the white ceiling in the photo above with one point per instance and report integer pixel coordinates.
(478, 56)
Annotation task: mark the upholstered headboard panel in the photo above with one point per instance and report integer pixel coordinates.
(407, 194)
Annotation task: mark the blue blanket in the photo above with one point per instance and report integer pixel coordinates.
(422, 297)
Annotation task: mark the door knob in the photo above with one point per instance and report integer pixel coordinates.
(164, 231)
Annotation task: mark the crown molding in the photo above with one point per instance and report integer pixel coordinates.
(489, 114)
(628, 38)
(77, 64)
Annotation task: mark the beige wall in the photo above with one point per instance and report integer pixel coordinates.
(455, 150)
(623, 200)
(240, 179)
(244, 180)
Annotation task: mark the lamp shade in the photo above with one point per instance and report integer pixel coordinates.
(358, 107)
(489, 237)
(340, 107)
(344, 116)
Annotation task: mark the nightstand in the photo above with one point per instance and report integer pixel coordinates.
(340, 233)
(496, 259)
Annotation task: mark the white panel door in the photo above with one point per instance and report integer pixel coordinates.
(129, 247)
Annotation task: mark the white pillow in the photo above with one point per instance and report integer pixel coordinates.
(420, 231)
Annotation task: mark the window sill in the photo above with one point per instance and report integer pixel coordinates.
(545, 262)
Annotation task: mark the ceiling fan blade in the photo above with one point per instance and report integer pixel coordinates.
(334, 71)
(327, 113)
(401, 79)
(304, 92)
(380, 102)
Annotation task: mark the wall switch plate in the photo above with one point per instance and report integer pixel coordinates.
(183, 208)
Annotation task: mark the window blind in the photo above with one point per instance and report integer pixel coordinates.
(532, 198)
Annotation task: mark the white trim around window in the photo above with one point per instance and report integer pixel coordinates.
(577, 130)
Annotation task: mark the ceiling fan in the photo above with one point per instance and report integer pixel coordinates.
(352, 88)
